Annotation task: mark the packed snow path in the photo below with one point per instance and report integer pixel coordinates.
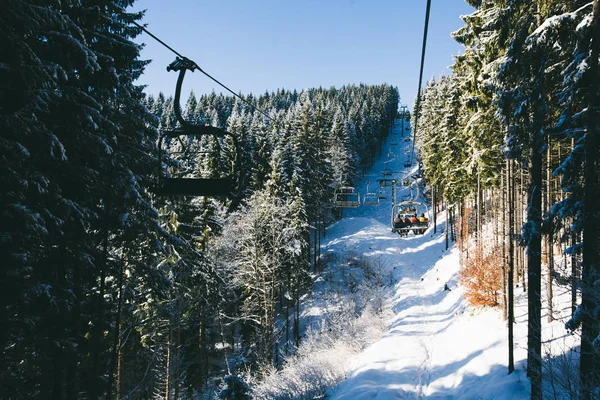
(435, 346)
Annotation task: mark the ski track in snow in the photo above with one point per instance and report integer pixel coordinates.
(435, 345)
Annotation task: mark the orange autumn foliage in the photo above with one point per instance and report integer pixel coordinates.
(481, 277)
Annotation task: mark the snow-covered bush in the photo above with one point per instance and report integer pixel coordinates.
(353, 317)
(323, 357)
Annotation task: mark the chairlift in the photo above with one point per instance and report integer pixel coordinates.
(407, 139)
(391, 154)
(407, 151)
(382, 194)
(393, 143)
(407, 164)
(371, 198)
(346, 197)
(410, 216)
(177, 181)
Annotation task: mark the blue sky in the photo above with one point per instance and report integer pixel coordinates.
(262, 45)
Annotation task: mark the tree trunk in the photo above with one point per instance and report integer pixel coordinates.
(168, 368)
(534, 248)
(120, 364)
(550, 236)
(116, 353)
(589, 362)
(434, 206)
(447, 226)
(503, 188)
(297, 312)
(94, 389)
(522, 259)
(511, 263)
(478, 211)
(177, 363)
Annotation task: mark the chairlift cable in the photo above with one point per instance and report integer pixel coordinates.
(418, 104)
(201, 70)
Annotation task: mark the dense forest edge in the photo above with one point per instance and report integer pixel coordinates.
(509, 141)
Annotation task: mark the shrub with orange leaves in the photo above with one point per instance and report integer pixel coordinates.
(481, 277)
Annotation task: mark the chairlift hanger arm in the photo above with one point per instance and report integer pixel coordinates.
(182, 65)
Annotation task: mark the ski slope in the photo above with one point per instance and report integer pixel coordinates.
(435, 345)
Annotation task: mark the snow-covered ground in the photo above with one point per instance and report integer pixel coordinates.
(434, 345)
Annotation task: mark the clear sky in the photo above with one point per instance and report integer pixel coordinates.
(262, 45)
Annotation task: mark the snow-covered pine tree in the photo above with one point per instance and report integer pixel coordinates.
(524, 107)
(579, 29)
(77, 190)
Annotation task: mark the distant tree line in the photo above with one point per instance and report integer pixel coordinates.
(510, 138)
(110, 291)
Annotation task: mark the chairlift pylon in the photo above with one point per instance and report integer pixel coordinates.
(177, 183)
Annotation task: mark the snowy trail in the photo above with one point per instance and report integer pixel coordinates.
(435, 346)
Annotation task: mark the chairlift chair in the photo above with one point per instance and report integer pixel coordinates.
(172, 182)
(402, 214)
(346, 197)
(391, 154)
(393, 143)
(371, 198)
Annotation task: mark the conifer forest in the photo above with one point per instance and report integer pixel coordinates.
(110, 289)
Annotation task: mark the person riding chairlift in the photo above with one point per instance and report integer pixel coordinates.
(413, 218)
(422, 218)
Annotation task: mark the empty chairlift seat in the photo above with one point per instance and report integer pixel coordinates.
(346, 197)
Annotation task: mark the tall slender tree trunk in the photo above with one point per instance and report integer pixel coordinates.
(503, 187)
(434, 206)
(168, 367)
(177, 363)
(521, 251)
(478, 211)
(94, 389)
(589, 361)
(574, 261)
(534, 246)
(120, 365)
(511, 263)
(297, 312)
(550, 236)
(447, 226)
(117, 353)
(116, 339)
